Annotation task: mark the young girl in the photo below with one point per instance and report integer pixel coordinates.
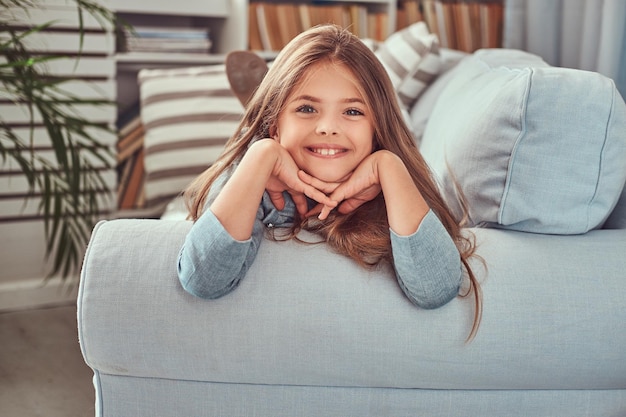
(323, 147)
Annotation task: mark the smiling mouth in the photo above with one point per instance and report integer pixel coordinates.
(327, 151)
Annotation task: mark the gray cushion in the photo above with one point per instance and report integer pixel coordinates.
(534, 148)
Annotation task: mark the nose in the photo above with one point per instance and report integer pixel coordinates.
(327, 126)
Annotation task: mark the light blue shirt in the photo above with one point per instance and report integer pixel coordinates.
(211, 263)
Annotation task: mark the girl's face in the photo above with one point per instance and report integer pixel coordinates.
(325, 124)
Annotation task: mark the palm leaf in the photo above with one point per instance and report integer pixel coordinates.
(70, 185)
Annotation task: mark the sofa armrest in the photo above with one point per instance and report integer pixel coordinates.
(305, 316)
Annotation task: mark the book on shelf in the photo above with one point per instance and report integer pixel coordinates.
(465, 25)
(130, 154)
(429, 14)
(168, 45)
(127, 118)
(358, 19)
(305, 15)
(169, 32)
(407, 13)
(289, 24)
(254, 34)
(259, 15)
(130, 132)
(130, 187)
(127, 145)
(124, 127)
(166, 39)
(377, 26)
(272, 25)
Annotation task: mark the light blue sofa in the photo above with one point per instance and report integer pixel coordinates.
(541, 155)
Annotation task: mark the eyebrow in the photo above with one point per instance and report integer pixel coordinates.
(317, 100)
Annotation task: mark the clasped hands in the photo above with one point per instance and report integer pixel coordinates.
(346, 195)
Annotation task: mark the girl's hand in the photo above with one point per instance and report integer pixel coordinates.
(383, 172)
(284, 177)
(266, 166)
(362, 186)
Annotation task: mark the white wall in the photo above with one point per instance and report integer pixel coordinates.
(23, 266)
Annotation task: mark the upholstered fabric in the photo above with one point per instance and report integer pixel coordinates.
(310, 333)
(534, 148)
(411, 58)
(188, 114)
(123, 396)
(306, 316)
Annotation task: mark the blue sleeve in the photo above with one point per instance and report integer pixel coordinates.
(427, 263)
(211, 263)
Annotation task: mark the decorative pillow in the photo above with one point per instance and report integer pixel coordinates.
(420, 111)
(411, 58)
(534, 148)
(188, 115)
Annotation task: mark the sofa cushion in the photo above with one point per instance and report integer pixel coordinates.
(533, 148)
(188, 114)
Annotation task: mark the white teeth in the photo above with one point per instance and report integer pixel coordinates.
(326, 152)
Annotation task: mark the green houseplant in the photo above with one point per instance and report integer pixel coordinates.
(68, 185)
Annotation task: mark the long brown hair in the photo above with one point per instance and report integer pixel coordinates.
(363, 235)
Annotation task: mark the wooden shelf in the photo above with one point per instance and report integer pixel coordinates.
(134, 61)
(210, 8)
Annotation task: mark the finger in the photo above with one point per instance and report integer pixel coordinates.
(339, 194)
(351, 198)
(320, 197)
(277, 199)
(325, 211)
(325, 187)
(314, 211)
(300, 202)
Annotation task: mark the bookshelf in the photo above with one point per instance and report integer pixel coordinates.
(271, 24)
(464, 25)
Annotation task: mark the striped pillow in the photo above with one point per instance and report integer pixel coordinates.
(188, 115)
(411, 58)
